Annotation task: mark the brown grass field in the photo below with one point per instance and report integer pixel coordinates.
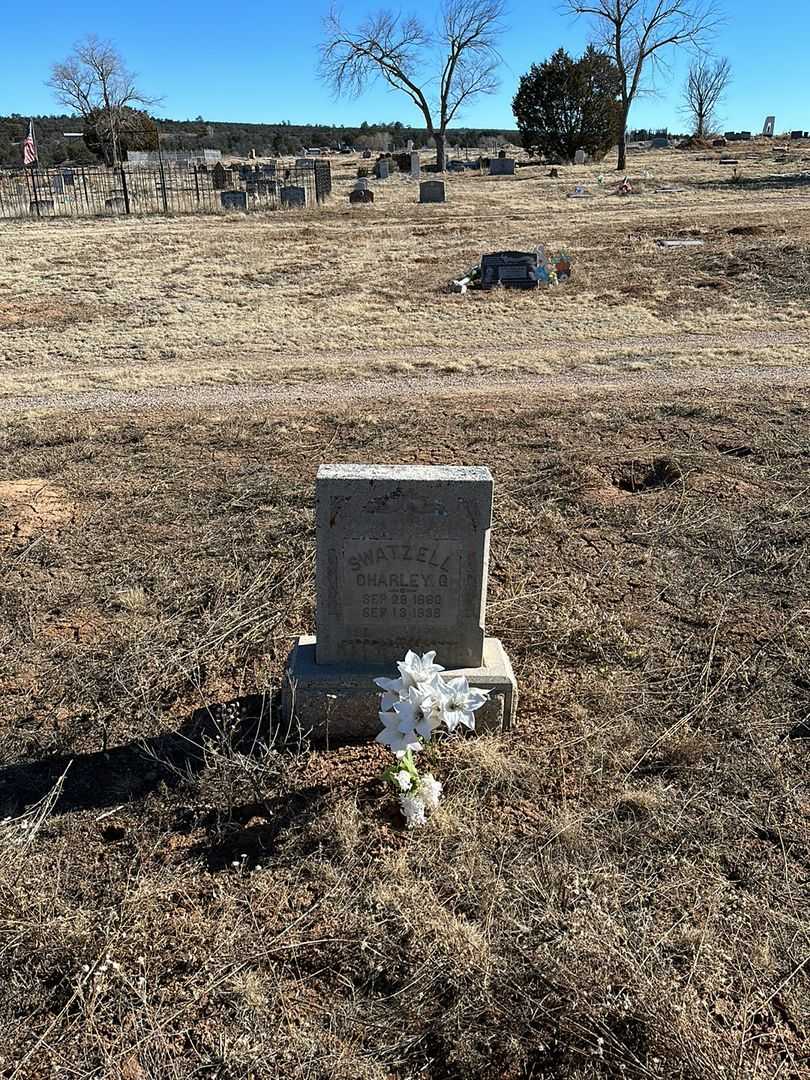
(617, 888)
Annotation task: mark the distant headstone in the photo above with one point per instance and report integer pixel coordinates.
(57, 184)
(796, 134)
(456, 166)
(233, 200)
(402, 557)
(361, 196)
(432, 191)
(579, 157)
(769, 125)
(366, 154)
(361, 183)
(502, 166)
(416, 165)
(660, 142)
(409, 146)
(40, 206)
(381, 169)
(292, 195)
(501, 153)
(218, 178)
(67, 177)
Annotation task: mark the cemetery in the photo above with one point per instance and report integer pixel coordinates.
(401, 678)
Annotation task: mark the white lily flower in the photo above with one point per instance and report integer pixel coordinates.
(397, 734)
(413, 810)
(430, 790)
(460, 701)
(393, 690)
(415, 669)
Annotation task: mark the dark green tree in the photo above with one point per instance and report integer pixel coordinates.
(135, 130)
(563, 105)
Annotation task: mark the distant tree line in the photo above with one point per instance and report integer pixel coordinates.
(274, 140)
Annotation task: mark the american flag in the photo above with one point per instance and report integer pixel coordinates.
(30, 146)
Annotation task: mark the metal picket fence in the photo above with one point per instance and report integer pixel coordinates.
(98, 191)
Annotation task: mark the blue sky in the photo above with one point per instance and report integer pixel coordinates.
(257, 62)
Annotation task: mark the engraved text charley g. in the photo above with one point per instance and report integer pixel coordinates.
(401, 582)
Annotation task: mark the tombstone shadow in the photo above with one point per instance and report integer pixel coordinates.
(130, 772)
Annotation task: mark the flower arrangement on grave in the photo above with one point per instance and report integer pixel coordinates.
(415, 708)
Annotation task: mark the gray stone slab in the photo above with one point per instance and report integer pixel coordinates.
(402, 555)
(416, 165)
(432, 191)
(233, 200)
(339, 702)
(502, 167)
(292, 195)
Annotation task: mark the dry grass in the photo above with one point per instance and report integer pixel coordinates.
(617, 889)
(293, 296)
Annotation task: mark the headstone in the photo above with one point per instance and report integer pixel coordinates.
(381, 169)
(796, 134)
(57, 184)
(513, 269)
(233, 200)
(416, 165)
(40, 206)
(501, 153)
(361, 183)
(402, 556)
(293, 195)
(67, 177)
(660, 142)
(366, 154)
(218, 179)
(579, 157)
(432, 191)
(769, 125)
(269, 169)
(361, 196)
(502, 166)
(456, 165)
(409, 146)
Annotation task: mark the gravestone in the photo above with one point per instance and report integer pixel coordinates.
(416, 165)
(57, 184)
(292, 195)
(67, 177)
(502, 166)
(233, 200)
(579, 157)
(366, 155)
(432, 191)
(218, 178)
(769, 125)
(381, 169)
(361, 196)
(40, 206)
(402, 557)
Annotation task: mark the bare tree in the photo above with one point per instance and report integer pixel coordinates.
(95, 83)
(440, 71)
(705, 86)
(636, 34)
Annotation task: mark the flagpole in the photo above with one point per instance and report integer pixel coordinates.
(34, 164)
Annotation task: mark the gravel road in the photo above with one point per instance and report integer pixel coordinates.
(344, 391)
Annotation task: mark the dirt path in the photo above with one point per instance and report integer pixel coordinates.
(316, 393)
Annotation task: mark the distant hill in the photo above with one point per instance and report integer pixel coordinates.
(271, 140)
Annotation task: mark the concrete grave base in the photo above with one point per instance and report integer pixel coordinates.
(339, 702)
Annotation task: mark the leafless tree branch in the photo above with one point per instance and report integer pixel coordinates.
(440, 71)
